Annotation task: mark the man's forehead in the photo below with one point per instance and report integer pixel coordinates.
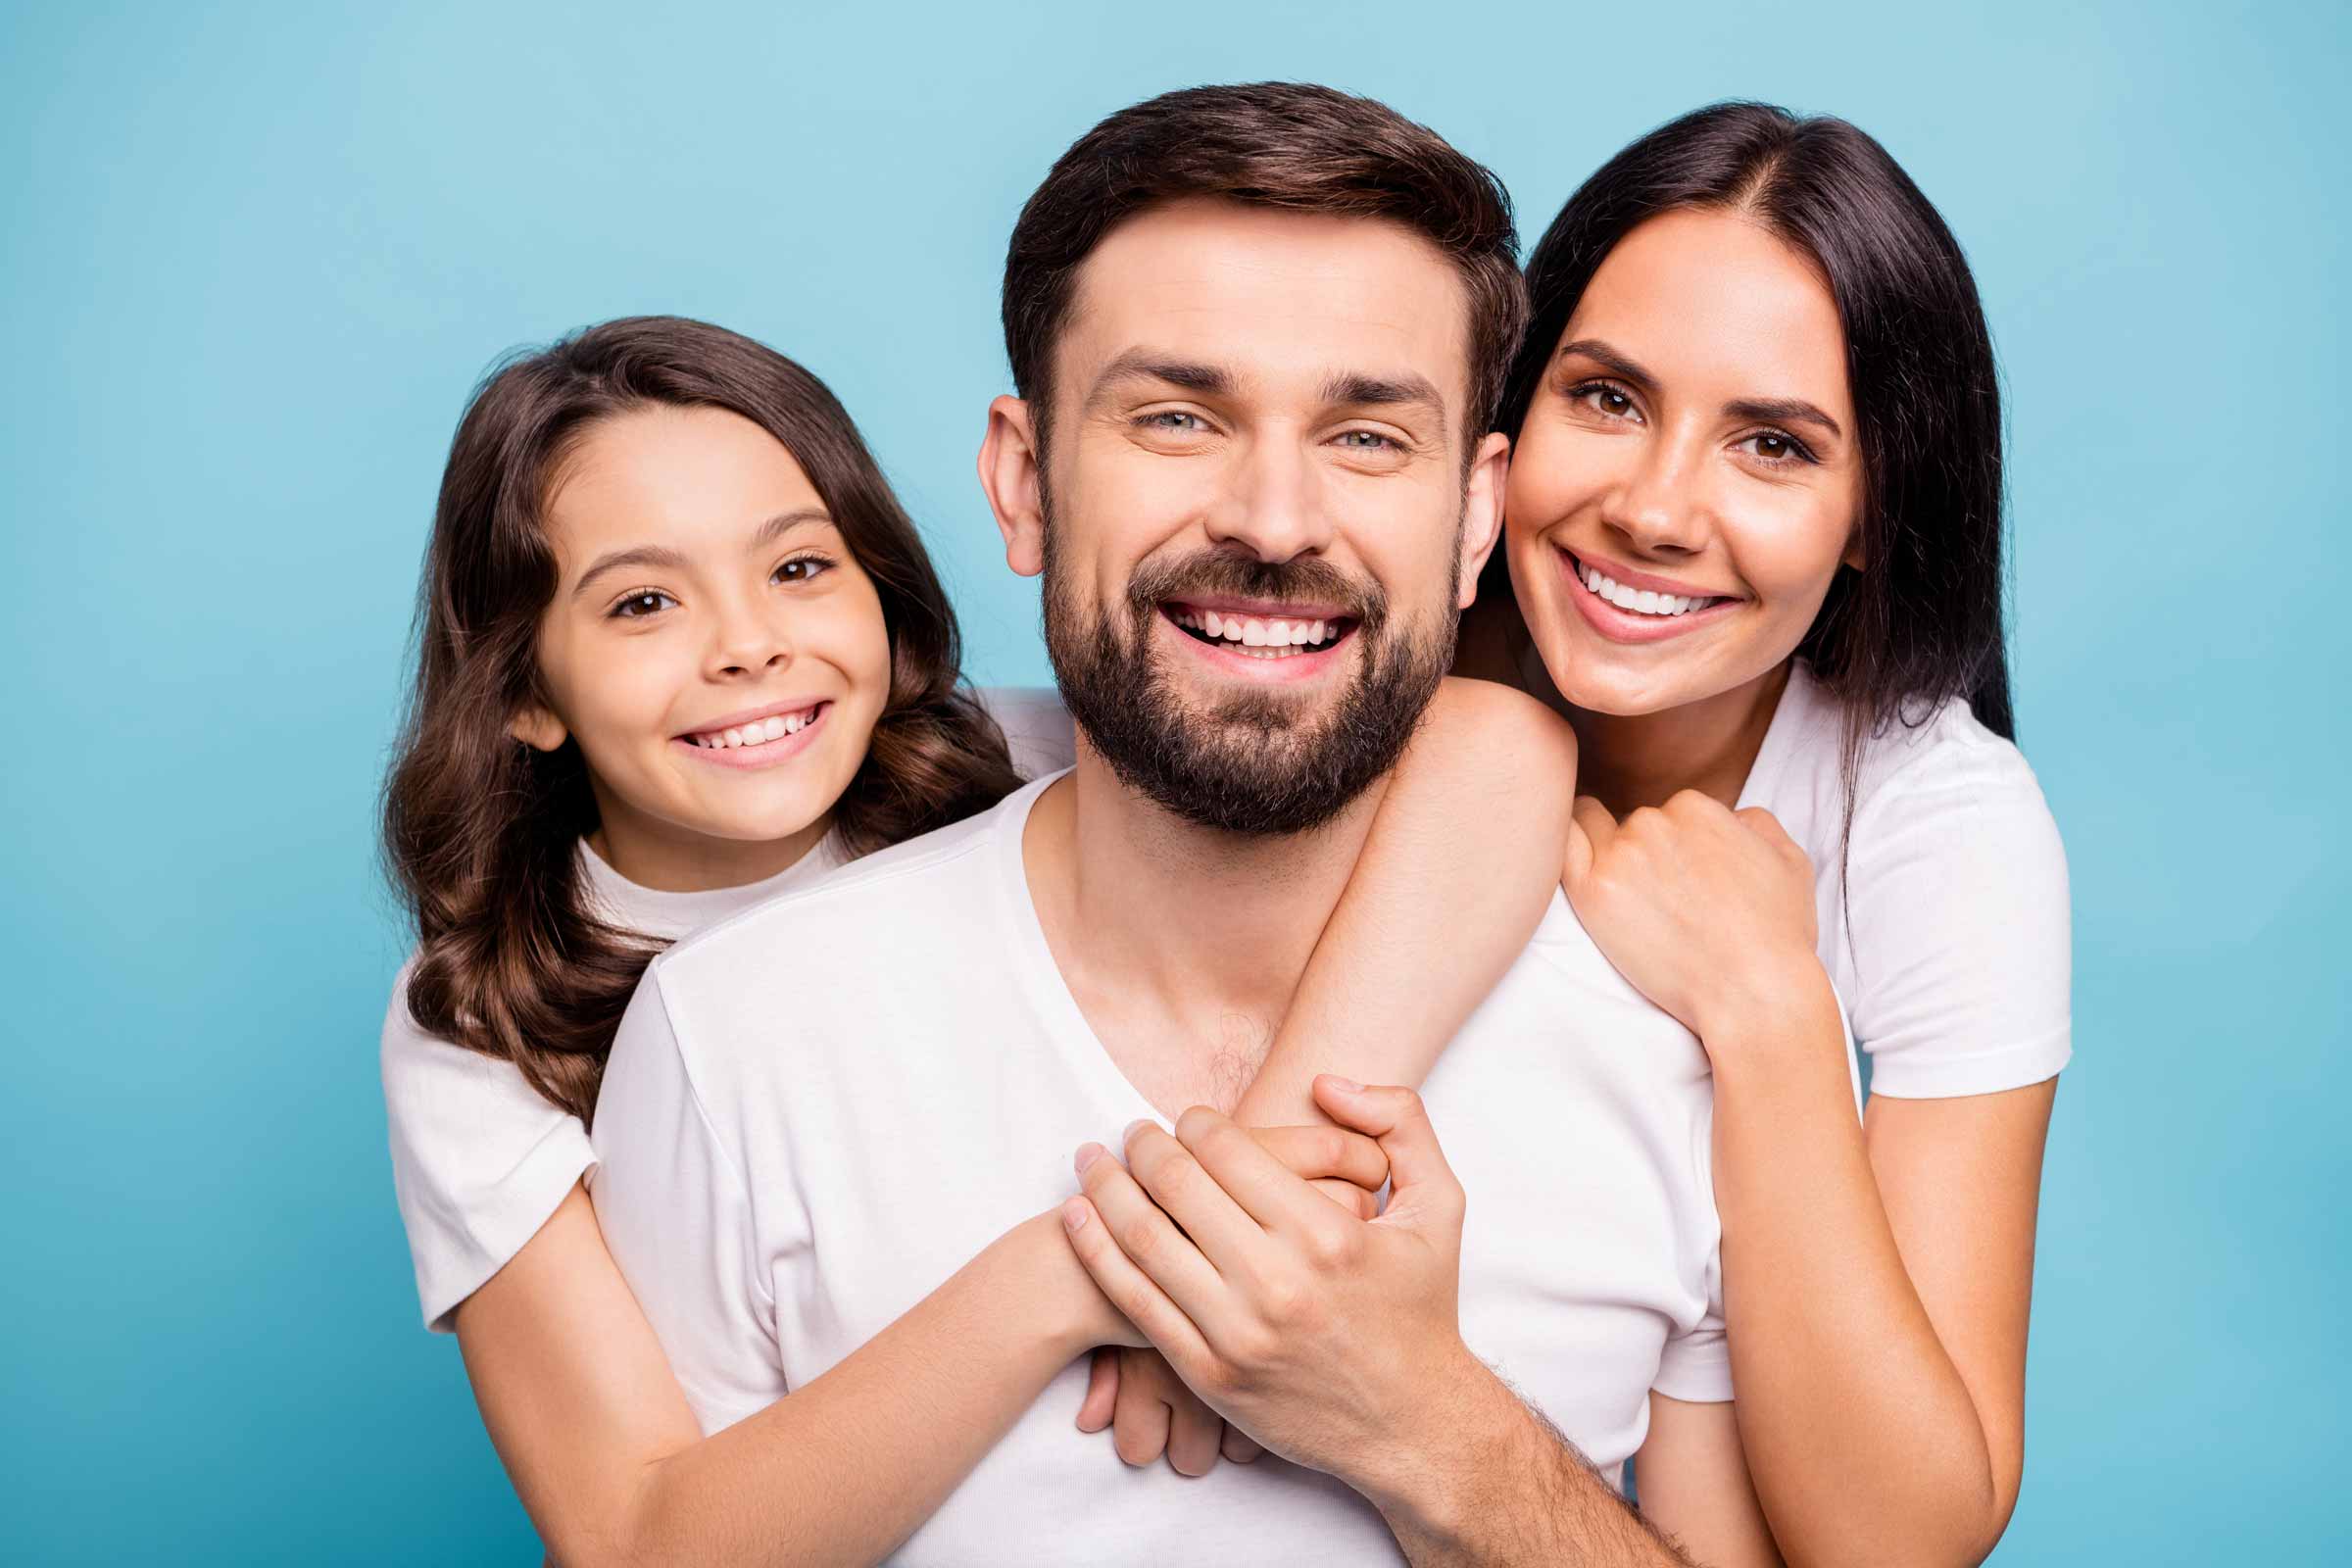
(1284, 303)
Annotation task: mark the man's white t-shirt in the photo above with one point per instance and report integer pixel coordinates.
(1950, 944)
(819, 1109)
(479, 1160)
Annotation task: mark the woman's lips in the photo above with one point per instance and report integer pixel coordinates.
(1620, 625)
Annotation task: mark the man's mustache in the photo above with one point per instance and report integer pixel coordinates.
(1209, 572)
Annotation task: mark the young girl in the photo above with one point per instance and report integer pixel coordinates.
(682, 651)
(1753, 529)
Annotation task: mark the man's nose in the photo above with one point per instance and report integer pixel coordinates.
(1275, 509)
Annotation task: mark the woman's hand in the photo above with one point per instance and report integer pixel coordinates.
(1139, 1396)
(1703, 908)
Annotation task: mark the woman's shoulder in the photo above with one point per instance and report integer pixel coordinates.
(1931, 762)
(1941, 772)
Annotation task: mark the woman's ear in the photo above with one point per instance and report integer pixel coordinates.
(538, 729)
(1854, 555)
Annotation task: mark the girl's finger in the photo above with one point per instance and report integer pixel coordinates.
(1140, 1430)
(1153, 1244)
(1129, 1289)
(1095, 1411)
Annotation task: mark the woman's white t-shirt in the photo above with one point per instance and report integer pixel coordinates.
(479, 1160)
(1951, 944)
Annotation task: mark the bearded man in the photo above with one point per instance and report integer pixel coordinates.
(1259, 335)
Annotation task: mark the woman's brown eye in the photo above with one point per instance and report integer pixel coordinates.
(1772, 446)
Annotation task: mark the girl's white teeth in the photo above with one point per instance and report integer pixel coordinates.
(1641, 601)
(758, 732)
(1276, 637)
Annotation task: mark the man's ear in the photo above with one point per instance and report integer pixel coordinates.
(1481, 511)
(538, 729)
(1010, 460)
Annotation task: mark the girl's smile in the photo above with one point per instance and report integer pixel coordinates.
(766, 737)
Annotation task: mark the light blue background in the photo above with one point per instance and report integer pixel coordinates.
(252, 260)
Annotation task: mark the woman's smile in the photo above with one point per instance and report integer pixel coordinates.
(1625, 606)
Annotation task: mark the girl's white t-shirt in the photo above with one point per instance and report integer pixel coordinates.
(479, 1160)
(1951, 942)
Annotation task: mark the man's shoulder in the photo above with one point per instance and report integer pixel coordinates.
(1561, 958)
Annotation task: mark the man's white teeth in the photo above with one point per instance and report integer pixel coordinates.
(1641, 601)
(758, 732)
(1277, 637)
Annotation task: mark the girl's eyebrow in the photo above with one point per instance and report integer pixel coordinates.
(783, 522)
(664, 558)
(637, 556)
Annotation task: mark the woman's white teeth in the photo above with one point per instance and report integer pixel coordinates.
(758, 732)
(1277, 637)
(1641, 601)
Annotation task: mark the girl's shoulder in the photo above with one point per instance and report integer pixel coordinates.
(479, 1157)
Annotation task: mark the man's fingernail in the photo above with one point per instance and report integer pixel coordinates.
(1140, 1121)
(1349, 1084)
(1073, 1214)
(1087, 1154)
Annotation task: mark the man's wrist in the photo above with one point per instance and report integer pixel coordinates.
(1426, 1481)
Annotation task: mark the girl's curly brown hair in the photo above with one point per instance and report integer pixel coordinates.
(481, 832)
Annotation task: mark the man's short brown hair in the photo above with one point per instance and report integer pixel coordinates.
(1280, 144)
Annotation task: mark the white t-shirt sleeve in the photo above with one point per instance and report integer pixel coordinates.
(1696, 1364)
(479, 1160)
(676, 1210)
(1961, 928)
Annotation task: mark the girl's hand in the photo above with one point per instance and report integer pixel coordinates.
(1703, 908)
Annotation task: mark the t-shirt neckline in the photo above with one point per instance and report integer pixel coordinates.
(670, 914)
(1041, 976)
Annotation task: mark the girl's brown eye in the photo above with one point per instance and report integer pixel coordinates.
(637, 605)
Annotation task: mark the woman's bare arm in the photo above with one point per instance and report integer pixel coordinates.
(1463, 858)
(608, 1459)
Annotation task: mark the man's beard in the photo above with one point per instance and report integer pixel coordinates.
(1257, 761)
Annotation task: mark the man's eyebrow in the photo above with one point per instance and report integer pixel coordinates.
(1357, 389)
(662, 558)
(1148, 365)
(1783, 411)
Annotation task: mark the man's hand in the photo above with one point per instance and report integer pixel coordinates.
(1328, 1339)
(1139, 1396)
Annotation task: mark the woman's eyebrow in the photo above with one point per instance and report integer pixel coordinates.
(1610, 360)
(1783, 411)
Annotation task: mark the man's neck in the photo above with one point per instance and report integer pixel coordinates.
(1182, 944)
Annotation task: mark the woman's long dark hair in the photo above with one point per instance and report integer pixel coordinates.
(481, 832)
(1920, 624)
